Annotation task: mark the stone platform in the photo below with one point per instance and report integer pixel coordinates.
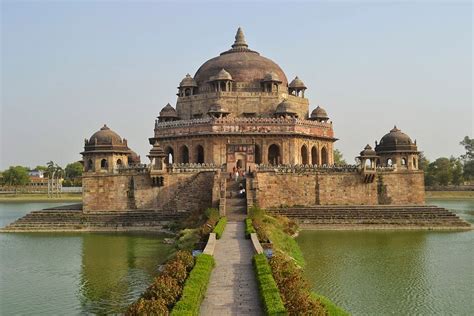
(373, 217)
(71, 218)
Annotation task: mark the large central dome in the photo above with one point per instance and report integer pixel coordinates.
(243, 64)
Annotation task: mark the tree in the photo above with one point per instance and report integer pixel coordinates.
(468, 158)
(338, 158)
(41, 168)
(468, 144)
(457, 171)
(73, 170)
(16, 176)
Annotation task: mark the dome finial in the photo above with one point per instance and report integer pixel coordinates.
(239, 39)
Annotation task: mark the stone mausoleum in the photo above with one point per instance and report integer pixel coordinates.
(240, 111)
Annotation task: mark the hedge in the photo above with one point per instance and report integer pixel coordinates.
(195, 287)
(219, 229)
(267, 287)
(331, 308)
(249, 229)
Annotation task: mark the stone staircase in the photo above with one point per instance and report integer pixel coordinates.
(186, 195)
(235, 206)
(366, 216)
(63, 219)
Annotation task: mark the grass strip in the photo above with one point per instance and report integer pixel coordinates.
(331, 308)
(195, 287)
(267, 286)
(249, 229)
(219, 229)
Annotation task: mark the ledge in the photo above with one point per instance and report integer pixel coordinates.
(211, 244)
(256, 244)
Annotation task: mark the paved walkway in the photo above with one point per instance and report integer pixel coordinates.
(233, 289)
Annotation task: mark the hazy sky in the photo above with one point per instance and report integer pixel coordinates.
(68, 67)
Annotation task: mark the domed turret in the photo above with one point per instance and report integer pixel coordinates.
(368, 152)
(105, 151)
(296, 86)
(168, 113)
(319, 114)
(187, 87)
(285, 109)
(217, 110)
(397, 149)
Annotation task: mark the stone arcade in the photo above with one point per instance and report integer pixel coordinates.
(239, 111)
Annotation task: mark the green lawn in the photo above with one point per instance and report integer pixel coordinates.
(40, 197)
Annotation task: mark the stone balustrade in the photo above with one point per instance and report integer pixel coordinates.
(314, 168)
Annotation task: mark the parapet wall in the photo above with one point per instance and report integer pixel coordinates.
(186, 191)
(274, 189)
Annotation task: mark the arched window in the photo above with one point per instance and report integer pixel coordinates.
(89, 165)
(404, 162)
(368, 163)
(389, 162)
(274, 157)
(324, 156)
(414, 163)
(258, 155)
(119, 162)
(184, 154)
(199, 154)
(314, 156)
(104, 164)
(169, 155)
(304, 155)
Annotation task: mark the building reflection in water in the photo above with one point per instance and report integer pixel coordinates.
(116, 268)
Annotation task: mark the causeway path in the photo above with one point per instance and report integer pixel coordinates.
(233, 288)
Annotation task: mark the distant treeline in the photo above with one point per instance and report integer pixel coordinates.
(450, 171)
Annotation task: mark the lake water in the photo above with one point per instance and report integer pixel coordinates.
(73, 273)
(395, 272)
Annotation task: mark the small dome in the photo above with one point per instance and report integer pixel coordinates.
(368, 152)
(271, 76)
(395, 140)
(395, 137)
(319, 114)
(168, 111)
(285, 107)
(133, 158)
(217, 108)
(297, 83)
(105, 136)
(187, 81)
(222, 75)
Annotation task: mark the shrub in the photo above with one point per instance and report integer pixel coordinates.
(177, 270)
(219, 229)
(294, 289)
(186, 258)
(249, 229)
(147, 307)
(164, 287)
(188, 238)
(212, 214)
(256, 213)
(195, 287)
(268, 289)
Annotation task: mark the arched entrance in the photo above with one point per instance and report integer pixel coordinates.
(258, 155)
(169, 155)
(184, 154)
(199, 154)
(240, 161)
(274, 157)
(304, 155)
(314, 156)
(324, 156)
